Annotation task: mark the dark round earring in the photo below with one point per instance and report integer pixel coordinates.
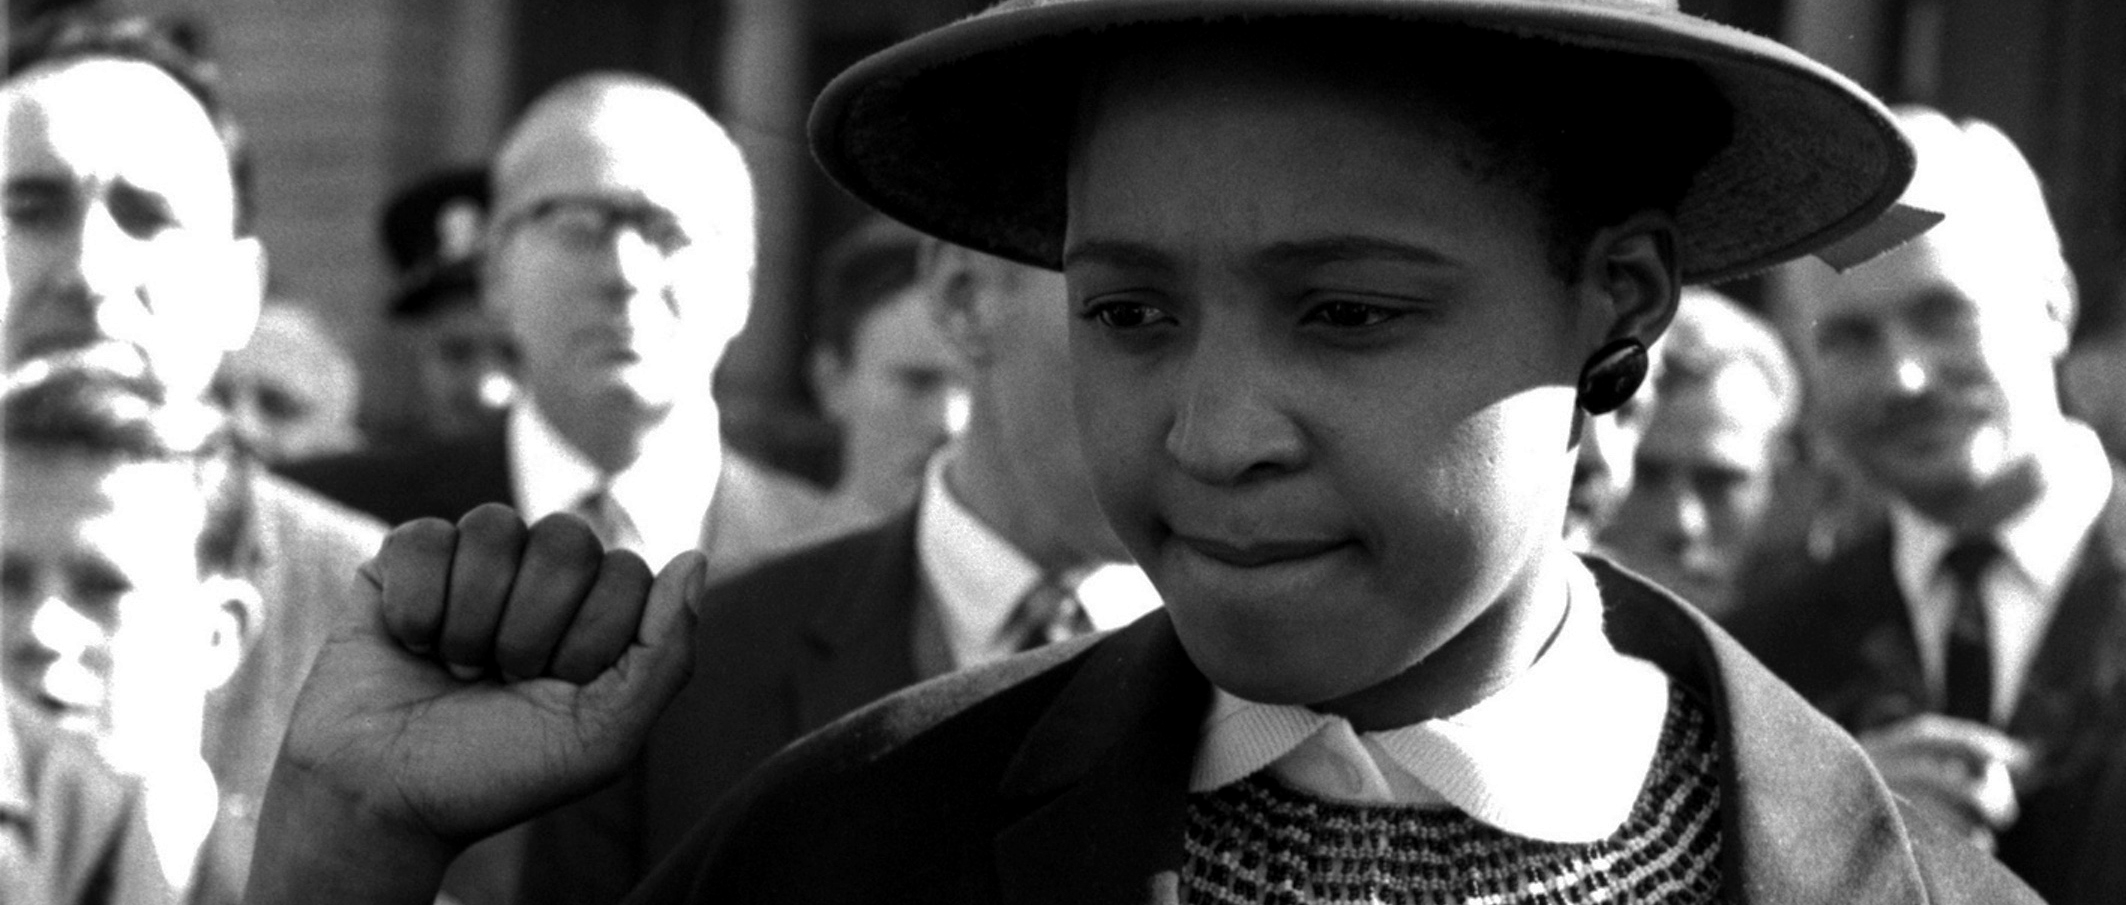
(1611, 375)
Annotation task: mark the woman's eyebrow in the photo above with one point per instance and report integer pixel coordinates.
(1118, 253)
(1334, 249)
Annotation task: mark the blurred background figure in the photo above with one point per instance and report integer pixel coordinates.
(883, 373)
(291, 392)
(619, 256)
(1602, 474)
(1716, 433)
(72, 829)
(130, 248)
(1975, 641)
(1004, 549)
(123, 558)
(2094, 376)
(465, 363)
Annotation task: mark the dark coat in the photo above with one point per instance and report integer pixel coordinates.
(779, 651)
(1842, 635)
(1061, 776)
(441, 479)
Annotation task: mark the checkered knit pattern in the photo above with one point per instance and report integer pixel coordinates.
(1256, 841)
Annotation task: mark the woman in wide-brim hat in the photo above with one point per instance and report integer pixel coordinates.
(1346, 278)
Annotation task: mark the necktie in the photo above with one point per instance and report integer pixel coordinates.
(607, 520)
(1967, 686)
(1050, 612)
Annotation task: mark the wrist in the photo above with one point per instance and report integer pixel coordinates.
(317, 843)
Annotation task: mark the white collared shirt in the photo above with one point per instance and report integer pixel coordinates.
(976, 577)
(666, 493)
(2040, 546)
(1559, 754)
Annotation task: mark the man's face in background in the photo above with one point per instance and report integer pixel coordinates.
(120, 224)
(108, 625)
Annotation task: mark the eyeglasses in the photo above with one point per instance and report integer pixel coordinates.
(582, 223)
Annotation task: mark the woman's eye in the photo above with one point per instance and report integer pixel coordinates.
(1350, 314)
(1125, 315)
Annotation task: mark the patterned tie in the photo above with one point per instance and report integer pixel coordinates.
(1967, 686)
(1050, 612)
(607, 520)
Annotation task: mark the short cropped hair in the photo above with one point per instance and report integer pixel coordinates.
(1712, 333)
(867, 268)
(84, 411)
(88, 33)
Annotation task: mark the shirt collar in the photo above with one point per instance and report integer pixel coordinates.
(666, 492)
(1557, 755)
(2040, 542)
(975, 576)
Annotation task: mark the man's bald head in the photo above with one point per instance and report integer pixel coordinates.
(632, 121)
(1934, 366)
(620, 253)
(1996, 230)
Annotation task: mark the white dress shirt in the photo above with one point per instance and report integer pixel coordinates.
(1559, 754)
(2040, 546)
(665, 493)
(976, 578)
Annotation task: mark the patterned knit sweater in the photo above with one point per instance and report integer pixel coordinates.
(1257, 841)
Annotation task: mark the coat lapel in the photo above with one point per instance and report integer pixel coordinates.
(1113, 752)
(2078, 670)
(1806, 819)
(860, 645)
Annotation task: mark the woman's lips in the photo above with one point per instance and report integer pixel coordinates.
(1255, 554)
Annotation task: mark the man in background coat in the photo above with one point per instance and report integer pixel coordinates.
(791, 646)
(130, 245)
(2001, 703)
(620, 256)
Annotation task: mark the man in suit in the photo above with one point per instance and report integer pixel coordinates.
(963, 578)
(620, 256)
(130, 247)
(1977, 643)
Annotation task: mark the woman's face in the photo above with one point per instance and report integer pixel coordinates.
(1324, 374)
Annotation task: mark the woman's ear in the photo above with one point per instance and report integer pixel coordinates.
(235, 611)
(1630, 280)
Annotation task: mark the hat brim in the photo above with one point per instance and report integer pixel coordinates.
(962, 132)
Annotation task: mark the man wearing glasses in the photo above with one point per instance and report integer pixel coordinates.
(620, 259)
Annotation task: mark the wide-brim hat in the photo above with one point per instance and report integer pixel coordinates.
(962, 131)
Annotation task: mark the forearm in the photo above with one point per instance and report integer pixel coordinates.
(318, 845)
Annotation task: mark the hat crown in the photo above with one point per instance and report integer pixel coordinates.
(960, 131)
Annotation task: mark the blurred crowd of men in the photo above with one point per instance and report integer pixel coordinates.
(1873, 480)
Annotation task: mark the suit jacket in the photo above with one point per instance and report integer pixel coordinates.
(1842, 634)
(755, 513)
(1061, 776)
(71, 827)
(307, 550)
(779, 651)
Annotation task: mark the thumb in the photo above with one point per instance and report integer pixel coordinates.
(660, 659)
